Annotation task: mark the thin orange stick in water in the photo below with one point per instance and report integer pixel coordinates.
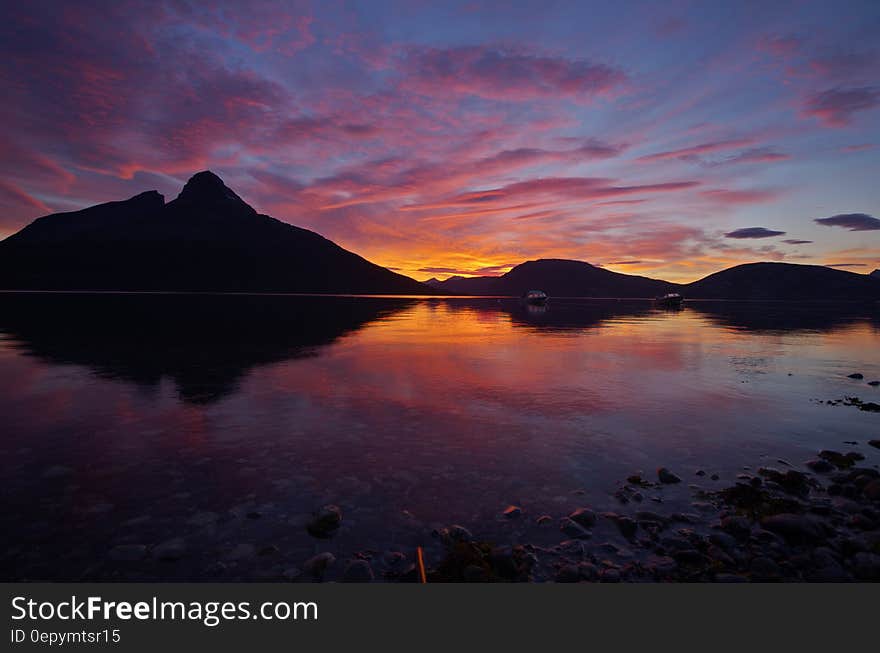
(421, 559)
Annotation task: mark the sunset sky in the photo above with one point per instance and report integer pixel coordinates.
(437, 138)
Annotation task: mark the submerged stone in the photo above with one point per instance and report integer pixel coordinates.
(358, 571)
(325, 522)
(584, 516)
(667, 477)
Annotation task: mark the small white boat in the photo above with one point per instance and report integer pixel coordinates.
(536, 297)
(671, 300)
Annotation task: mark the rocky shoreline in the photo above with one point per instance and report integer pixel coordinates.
(818, 521)
(818, 524)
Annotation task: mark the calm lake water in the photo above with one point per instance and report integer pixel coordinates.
(226, 420)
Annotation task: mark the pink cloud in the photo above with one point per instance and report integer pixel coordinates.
(16, 204)
(730, 197)
(695, 150)
(835, 107)
(755, 155)
(861, 147)
(501, 73)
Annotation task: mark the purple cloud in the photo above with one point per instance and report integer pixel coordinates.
(851, 221)
(753, 232)
(795, 241)
(835, 107)
(503, 73)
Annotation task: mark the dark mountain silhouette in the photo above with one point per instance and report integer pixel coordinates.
(559, 278)
(564, 278)
(784, 281)
(208, 239)
(876, 274)
(206, 344)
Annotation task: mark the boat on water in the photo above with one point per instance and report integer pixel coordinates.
(670, 300)
(535, 297)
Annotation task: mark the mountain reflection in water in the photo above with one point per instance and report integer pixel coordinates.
(137, 419)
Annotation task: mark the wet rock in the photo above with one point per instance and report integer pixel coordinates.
(325, 522)
(866, 566)
(268, 550)
(856, 375)
(790, 481)
(128, 552)
(839, 460)
(170, 550)
(849, 546)
(543, 520)
(512, 512)
(662, 566)
(475, 574)
(688, 557)
(675, 543)
(393, 558)
(716, 554)
(508, 562)
(667, 477)
(588, 571)
(453, 534)
(358, 571)
(627, 527)
(714, 477)
(794, 528)
(871, 490)
(568, 574)
(873, 384)
(572, 529)
(874, 443)
(820, 466)
(648, 516)
(700, 472)
(832, 573)
(823, 556)
(291, 574)
(736, 525)
(636, 479)
(584, 516)
(609, 548)
(764, 568)
(862, 522)
(730, 578)
(686, 517)
(609, 576)
(723, 540)
(317, 565)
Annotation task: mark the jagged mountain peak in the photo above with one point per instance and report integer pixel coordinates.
(208, 189)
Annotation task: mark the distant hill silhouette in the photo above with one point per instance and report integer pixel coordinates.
(876, 274)
(559, 278)
(784, 281)
(208, 239)
(565, 278)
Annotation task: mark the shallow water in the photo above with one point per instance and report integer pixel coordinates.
(225, 420)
